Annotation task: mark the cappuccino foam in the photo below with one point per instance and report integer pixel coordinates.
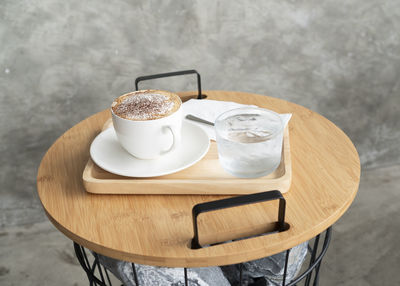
(146, 105)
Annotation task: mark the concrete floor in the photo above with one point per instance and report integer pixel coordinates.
(364, 250)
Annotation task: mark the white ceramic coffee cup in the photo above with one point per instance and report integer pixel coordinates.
(149, 139)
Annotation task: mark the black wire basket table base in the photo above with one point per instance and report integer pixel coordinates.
(98, 275)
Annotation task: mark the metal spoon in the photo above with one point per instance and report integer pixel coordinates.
(197, 119)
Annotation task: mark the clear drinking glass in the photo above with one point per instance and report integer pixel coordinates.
(249, 141)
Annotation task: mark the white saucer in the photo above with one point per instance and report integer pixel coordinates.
(108, 154)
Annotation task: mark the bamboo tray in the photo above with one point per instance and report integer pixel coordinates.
(206, 177)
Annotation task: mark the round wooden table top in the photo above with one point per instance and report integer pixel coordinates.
(157, 229)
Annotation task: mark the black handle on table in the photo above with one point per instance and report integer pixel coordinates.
(238, 201)
(161, 75)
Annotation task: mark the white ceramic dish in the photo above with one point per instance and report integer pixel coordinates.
(108, 154)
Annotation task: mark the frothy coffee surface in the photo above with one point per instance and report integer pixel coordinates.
(146, 105)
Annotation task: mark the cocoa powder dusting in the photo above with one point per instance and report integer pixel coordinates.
(144, 106)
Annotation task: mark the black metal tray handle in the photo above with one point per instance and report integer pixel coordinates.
(161, 75)
(238, 201)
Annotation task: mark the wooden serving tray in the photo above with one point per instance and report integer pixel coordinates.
(205, 177)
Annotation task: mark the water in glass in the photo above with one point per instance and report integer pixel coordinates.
(249, 142)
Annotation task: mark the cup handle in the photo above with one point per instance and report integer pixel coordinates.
(175, 139)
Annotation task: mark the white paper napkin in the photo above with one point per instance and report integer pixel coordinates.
(210, 109)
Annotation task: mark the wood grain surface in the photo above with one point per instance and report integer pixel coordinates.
(206, 177)
(157, 229)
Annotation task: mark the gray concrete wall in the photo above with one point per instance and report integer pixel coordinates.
(61, 61)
